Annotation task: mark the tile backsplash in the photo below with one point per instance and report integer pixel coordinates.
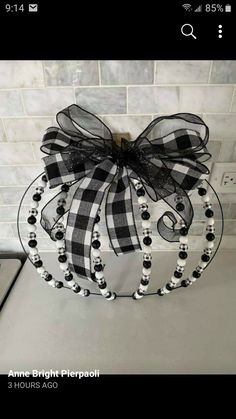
(127, 95)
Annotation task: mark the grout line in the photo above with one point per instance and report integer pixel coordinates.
(5, 139)
(44, 74)
(99, 73)
(232, 100)
(69, 86)
(22, 101)
(210, 70)
(154, 72)
(113, 114)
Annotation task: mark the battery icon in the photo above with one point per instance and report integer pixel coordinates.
(228, 8)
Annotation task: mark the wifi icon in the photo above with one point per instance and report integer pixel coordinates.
(187, 7)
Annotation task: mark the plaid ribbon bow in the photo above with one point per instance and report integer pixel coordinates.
(166, 158)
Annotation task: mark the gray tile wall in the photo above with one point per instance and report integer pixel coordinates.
(127, 95)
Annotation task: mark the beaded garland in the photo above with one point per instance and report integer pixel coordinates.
(98, 274)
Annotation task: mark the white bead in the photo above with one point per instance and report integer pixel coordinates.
(42, 183)
(192, 279)
(137, 296)
(174, 280)
(206, 198)
(34, 204)
(60, 243)
(208, 244)
(112, 297)
(99, 275)
(135, 181)
(142, 200)
(71, 283)
(202, 264)
(146, 224)
(147, 249)
(33, 251)
(41, 270)
(31, 228)
(183, 239)
(146, 271)
(165, 290)
(96, 227)
(96, 253)
(104, 291)
(52, 282)
(143, 287)
(210, 221)
(181, 262)
(63, 266)
(63, 195)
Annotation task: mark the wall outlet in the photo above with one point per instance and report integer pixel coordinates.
(223, 177)
(229, 180)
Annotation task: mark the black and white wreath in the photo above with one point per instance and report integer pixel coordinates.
(165, 162)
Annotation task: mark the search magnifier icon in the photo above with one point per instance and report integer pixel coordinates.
(187, 30)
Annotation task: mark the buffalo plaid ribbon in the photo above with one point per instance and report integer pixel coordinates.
(166, 158)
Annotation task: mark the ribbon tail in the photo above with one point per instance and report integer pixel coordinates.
(119, 215)
(81, 218)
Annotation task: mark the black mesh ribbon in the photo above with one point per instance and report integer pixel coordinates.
(166, 158)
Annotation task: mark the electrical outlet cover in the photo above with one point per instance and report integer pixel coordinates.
(218, 173)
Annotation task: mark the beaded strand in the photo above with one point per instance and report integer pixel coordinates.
(147, 241)
(98, 275)
(209, 244)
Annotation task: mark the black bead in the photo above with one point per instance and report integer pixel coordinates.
(96, 244)
(133, 296)
(48, 278)
(31, 219)
(183, 231)
(77, 289)
(97, 219)
(62, 258)
(183, 255)
(210, 237)
(65, 188)
(205, 258)
(36, 197)
(168, 287)
(140, 292)
(147, 264)
(145, 215)
(185, 283)
(98, 268)
(44, 178)
(209, 213)
(140, 192)
(147, 241)
(177, 274)
(32, 243)
(60, 210)
(102, 286)
(69, 277)
(159, 292)
(144, 282)
(38, 263)
(196, 274)
(59, 235)
(202, 191)
(86, 293)
(180, 206)
(59, 284)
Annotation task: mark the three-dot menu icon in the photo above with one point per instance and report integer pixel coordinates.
(220, 31)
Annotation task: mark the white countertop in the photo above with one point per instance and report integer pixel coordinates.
(189, 331)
